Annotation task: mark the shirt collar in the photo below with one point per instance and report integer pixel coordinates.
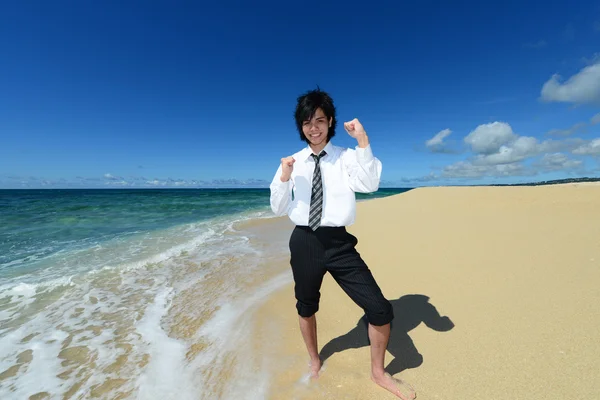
(308, 151)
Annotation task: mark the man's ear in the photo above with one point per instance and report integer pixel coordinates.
(330, 121)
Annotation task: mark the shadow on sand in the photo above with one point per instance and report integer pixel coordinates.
(409, 312)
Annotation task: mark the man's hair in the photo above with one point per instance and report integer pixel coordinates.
(307, 105)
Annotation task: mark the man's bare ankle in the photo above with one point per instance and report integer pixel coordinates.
(377, 373)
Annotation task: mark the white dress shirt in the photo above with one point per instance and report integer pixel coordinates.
(344, 171)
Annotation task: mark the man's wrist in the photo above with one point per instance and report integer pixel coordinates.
(284, 178)
(363, 141)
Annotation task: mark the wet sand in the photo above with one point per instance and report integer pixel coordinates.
(495, 291)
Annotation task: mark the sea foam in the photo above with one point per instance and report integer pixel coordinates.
(105, 328)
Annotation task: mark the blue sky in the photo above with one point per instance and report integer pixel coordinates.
(187, 94)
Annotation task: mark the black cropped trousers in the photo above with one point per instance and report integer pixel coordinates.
(333, 250)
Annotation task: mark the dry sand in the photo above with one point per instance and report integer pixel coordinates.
(496, 292)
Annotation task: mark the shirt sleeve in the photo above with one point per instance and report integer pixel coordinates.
(364, 169)
(281, 194)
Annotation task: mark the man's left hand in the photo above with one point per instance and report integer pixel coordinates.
(354, 128)
(357, 131)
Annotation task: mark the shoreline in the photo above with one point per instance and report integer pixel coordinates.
(493, 290)
(221, 316)
(161, 324)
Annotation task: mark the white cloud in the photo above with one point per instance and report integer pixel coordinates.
(570, 131)
(169, 182)
(549, 146)
(117, 183)
(583, 87)
(436, 143)
(497, 151)
(109, 180)
(589, 149)
(412, 180)
(112, 177)
(519, 149)
(595, 119)
(488, 138)
(592, 60)
(466, 169)
(497, 144)
(548, 163)
(557, 162)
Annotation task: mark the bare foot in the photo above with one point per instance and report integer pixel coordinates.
(315, 368)
(393, 385)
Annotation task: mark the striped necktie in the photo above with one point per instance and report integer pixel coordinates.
(316, 197)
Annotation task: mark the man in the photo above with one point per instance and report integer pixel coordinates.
(316, 188)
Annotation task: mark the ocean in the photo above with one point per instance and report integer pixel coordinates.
(136, 293)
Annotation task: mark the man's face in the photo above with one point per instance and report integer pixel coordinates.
(317, 128)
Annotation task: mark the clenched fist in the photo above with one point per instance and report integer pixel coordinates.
(357, 131)
(287, 166)
(354, 128)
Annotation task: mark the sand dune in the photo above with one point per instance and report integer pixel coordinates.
(496, 292)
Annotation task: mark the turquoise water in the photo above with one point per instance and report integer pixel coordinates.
(37, 224)
(108, 293)
(40, 224)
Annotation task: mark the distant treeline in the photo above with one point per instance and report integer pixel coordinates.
(552, 182)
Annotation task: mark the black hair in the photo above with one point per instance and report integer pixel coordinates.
(307, 105)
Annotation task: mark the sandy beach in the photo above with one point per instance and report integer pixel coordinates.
(495, 292)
